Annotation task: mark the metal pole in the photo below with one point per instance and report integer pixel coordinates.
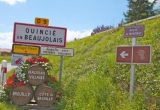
(132, 70)
(60, 73)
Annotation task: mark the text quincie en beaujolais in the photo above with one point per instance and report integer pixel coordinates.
(40, 35)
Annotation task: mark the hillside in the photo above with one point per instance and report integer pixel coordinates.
(93, 80)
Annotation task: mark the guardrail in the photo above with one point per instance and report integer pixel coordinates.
(152, 17)
(135, 22)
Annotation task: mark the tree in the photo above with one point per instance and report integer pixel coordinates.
(121, 23)
(139, 9)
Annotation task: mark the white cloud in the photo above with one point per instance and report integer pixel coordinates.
(7, 37)
(6, 40)
(71, 35)
(12, 2)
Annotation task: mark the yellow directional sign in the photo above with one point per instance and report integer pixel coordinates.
(42, 21)
(25, 49)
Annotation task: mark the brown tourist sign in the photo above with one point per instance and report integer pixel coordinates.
(134, 31)
(124, 54)
(141, 54)
(133, 54)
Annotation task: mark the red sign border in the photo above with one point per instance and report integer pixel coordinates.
(17, 42)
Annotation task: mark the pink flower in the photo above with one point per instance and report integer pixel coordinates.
(58, 93)
(13, 76)
(57, 96)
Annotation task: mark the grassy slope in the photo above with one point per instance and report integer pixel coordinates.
(95, 58)
(93, 81)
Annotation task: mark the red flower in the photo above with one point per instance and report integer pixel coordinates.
(6, 86)
(13, 76)
(52, 78)
(38, 60)
(8, 80)
(20, 83)
(31, 60)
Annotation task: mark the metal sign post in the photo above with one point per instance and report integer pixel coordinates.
(132, 71)
(55, 37)
(133, 54)
(60, 72)
(60, 52)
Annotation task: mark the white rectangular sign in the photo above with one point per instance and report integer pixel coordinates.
(57, 51)
(39, 35)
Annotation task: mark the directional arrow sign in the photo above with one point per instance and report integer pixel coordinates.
(124, 54)
(133, 54)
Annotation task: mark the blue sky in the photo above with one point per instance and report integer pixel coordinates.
(80, 17)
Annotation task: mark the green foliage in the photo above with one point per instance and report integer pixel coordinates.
(139, 9)
(99, 93)
(8, 106)
(5, 57)
(92, 80)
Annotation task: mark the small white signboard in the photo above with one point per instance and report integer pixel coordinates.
(57, 51)
(39, 35)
